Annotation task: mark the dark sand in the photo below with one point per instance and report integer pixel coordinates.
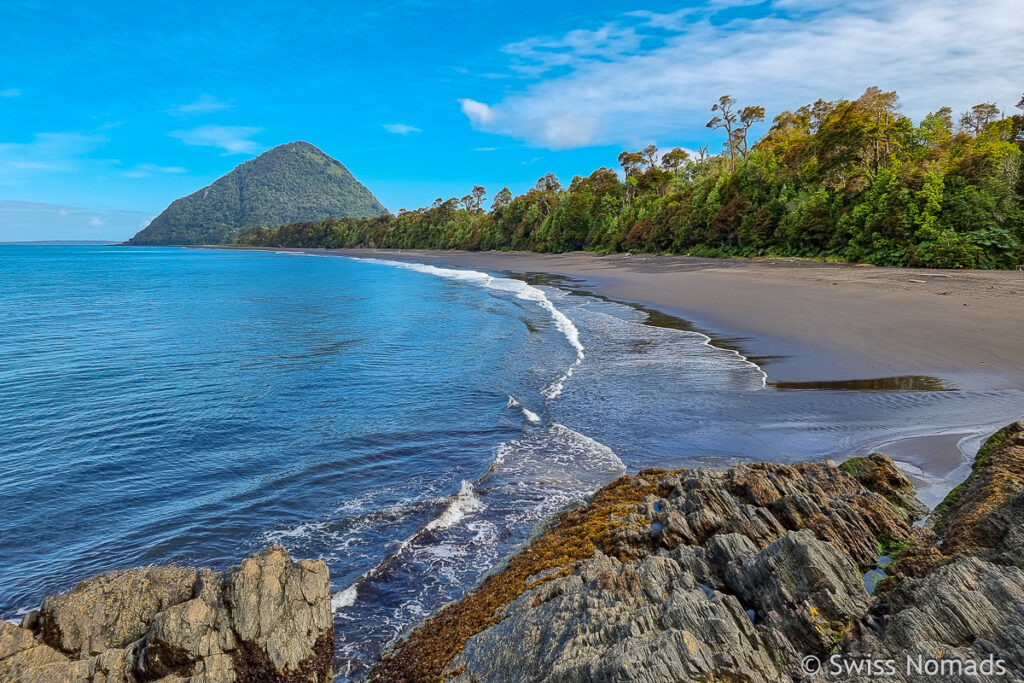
(807, 321)
(815, 325)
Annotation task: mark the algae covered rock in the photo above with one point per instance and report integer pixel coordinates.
(657, 620)
(879, 474)
(685, 575)
(984, 514)
(265, 621)
(742, 575)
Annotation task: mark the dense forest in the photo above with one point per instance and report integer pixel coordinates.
(850, 180)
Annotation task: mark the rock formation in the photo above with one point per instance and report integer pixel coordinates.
(764, 572)
(265, 621)
(744, 575)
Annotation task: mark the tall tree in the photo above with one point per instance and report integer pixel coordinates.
(631, 162)
(650, 155)
(502, 199)
(549, 183)
(726, 120)
(748, 117)
(980, 115)
(883, 123)
(674, 160)
(479, 195)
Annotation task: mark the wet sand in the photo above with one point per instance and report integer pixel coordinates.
(815, 325)
(808, 321)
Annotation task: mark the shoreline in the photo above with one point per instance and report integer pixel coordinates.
(807, 323)
(862, 352)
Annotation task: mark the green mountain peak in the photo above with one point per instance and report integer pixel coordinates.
(287, 184)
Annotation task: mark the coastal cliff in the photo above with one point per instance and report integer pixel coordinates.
(267, 620)
(761, 573)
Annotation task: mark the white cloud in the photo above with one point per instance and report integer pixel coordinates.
(10, 92)
(479, 114)
(146, 170)
(232, 139)
(535, 55)
(206, 104)
(47, 152)
(568, 130)
(401, 128)
(653, 75)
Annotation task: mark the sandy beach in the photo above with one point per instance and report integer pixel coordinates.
(807, 321)
(816, 325)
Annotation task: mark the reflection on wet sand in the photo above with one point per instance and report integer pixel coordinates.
(899, 383)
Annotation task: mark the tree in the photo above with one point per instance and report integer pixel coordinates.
(478, 195)
(936, 127)
(881, 129)
(748, 117)
(980, 115)
(549, 183)
(631, 162)
(650, 155)
(674, 160)
(1020, 105)
(502, 199)
(726, 121)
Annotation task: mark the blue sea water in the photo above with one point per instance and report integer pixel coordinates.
(410, 425)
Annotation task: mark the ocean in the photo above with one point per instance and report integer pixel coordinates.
(408, 424)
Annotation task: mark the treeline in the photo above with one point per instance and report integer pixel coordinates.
(851, 179)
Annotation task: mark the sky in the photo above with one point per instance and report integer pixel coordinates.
(110, 110)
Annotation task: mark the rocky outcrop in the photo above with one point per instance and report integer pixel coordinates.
(743, 575)
(265, 621)
(984, 514)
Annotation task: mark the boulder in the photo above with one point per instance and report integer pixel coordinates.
(265, 621)
(966, 610)
(111, 610)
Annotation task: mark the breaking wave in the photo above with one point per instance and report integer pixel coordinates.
(513, 402)
(522, 291)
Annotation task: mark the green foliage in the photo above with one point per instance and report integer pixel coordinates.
(294, 182)
(892, 547)
(850, 179)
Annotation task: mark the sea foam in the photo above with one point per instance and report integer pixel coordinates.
(463, 503)
(531, 416)
(345, 597)
(522, 291)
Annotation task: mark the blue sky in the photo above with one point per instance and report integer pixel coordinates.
(110, 110)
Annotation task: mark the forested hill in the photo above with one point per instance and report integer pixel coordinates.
(850, 179)
(289, 183)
